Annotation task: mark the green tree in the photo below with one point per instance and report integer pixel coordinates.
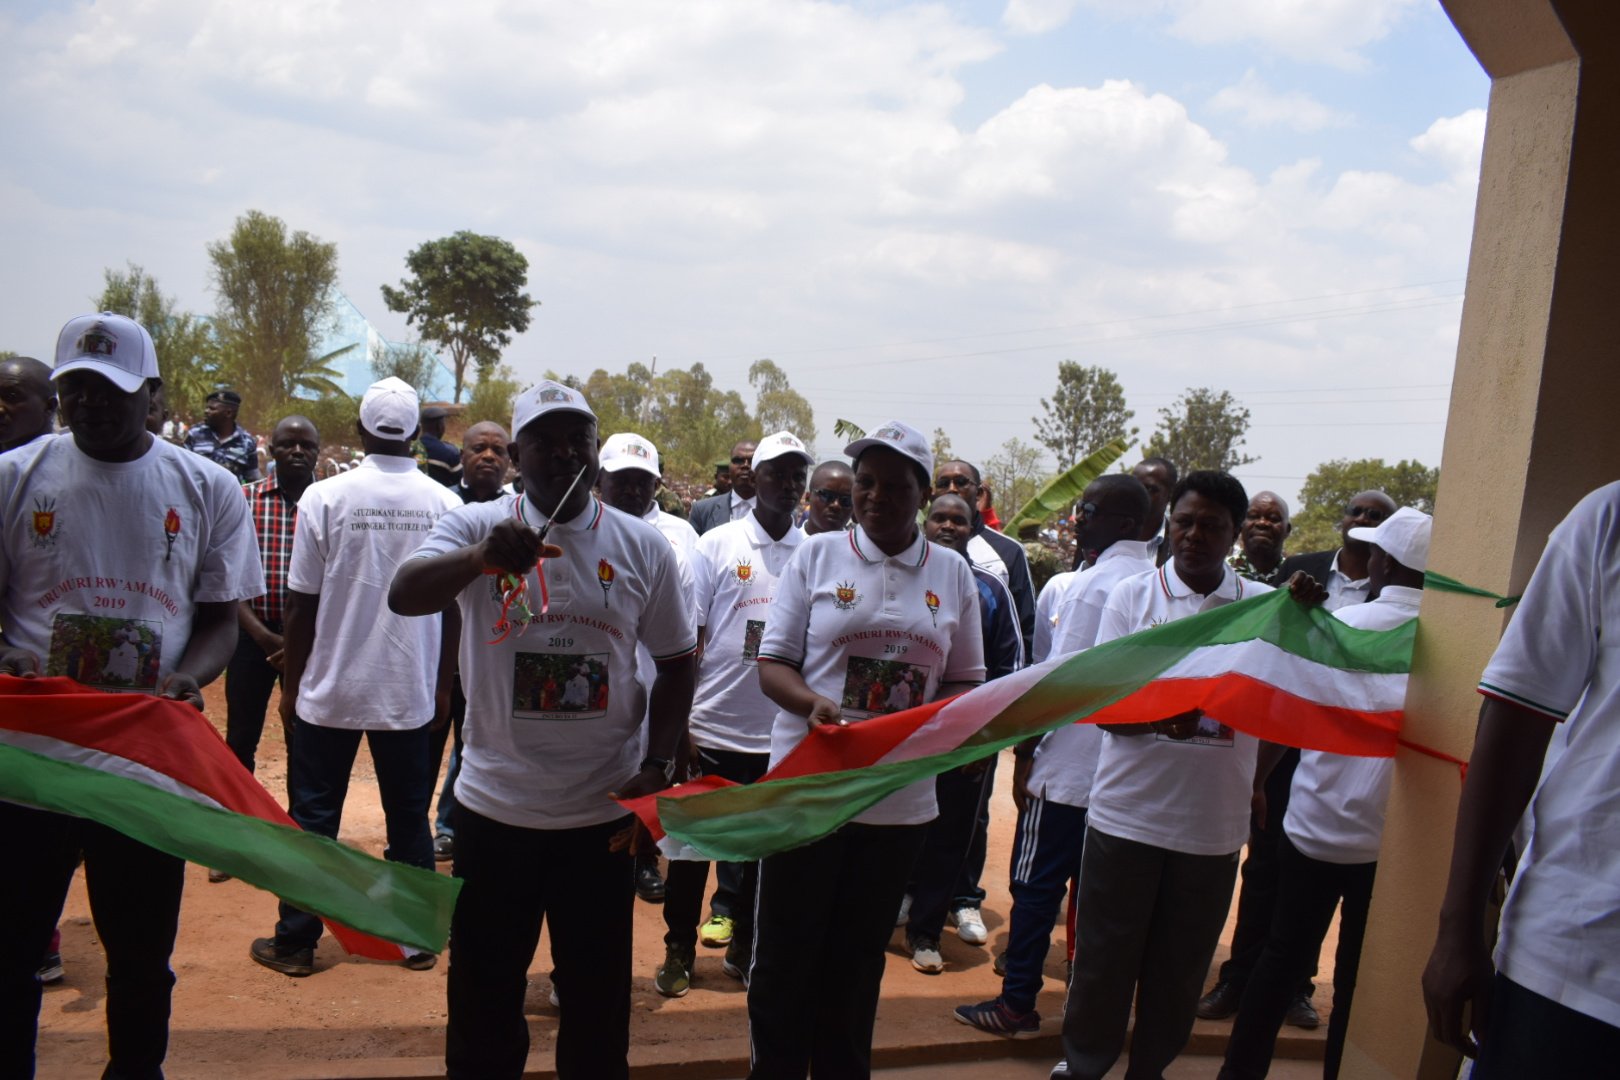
(1332, 485)
(412, 363)
(491, 397)
(694, 423)
(1086, 411)
(188, 356)
(1014, 474)
(465, 294)
(275, 302)
(941, 447)
(778, 406)
(7, 354)
(1202, 430)
(621, 402)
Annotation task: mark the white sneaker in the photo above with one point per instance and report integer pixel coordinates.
(905, 911)
(970, 925)
(925, 957)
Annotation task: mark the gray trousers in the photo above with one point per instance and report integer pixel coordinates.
(1147, 921)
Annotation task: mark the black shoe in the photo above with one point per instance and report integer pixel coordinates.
(649, 883)
(1302, 1014)
(739, 957)
(294, 962)
(1220, 1002)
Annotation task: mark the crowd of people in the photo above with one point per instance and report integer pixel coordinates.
(526, 601)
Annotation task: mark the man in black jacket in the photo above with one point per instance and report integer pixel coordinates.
(734, 504)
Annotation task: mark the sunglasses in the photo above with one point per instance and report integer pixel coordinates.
(834, 497)
(953, 481)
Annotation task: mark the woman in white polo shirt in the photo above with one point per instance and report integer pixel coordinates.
(852, 610)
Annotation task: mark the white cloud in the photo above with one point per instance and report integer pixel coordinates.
(1259, 106)
(1455, 144)
(728, 179)
(1323, 31)
(1036, 16)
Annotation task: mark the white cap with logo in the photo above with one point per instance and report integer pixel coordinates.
(1404, 535)
(544, 397)
(113, 346)
(899, 437)
(390, 409)
(782, 443)
(627, 450)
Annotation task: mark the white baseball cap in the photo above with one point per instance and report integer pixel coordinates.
(114, 346)
(1404, 535)
(900, 437)
(772, 447)
(544, 397)
(390, 409)
(627, 450)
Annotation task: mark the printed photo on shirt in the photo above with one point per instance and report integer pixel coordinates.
(1211, 732)
(753, 631)
(880, 687)
(559, 686)
(107, 653)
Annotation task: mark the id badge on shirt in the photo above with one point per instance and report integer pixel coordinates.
(875, 687)
(753, 633)
(106, 652)
(559, 686)
(1211, 732)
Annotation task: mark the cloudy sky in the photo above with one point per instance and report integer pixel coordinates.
(917, 209)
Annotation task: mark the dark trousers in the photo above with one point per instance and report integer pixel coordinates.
(436, 744)
(1308, 892)
(134, 895)
(686, 880)
(513, 880)
(1257, 899)
(318, 771)
(1148, 920)
(249, 682)
(1531, 1037)
(968, 892)
(823, 918)
(943, 861)
(1046, 854)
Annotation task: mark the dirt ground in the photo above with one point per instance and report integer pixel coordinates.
(357, 1018)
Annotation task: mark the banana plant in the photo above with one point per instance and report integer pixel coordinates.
(1059, 496)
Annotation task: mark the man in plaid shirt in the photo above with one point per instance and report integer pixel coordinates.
(273, 504)
(220, 440)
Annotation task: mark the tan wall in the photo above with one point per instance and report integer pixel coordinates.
(1532, 428)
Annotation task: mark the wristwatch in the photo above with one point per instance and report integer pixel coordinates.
(662, 764)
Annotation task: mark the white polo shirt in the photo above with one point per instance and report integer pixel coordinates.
(858, 623)
(102, 564)
(677, 530)
(555, 711)
(1560, 932)
(1191, 795)
(370, 669)
(1048, 613)
(1066, 760)
(741, 565)
(1336, 808)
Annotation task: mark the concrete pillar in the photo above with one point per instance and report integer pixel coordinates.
(1532, 428)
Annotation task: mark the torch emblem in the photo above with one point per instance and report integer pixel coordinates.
(932, 600)
(604, 574)
(171, 530)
